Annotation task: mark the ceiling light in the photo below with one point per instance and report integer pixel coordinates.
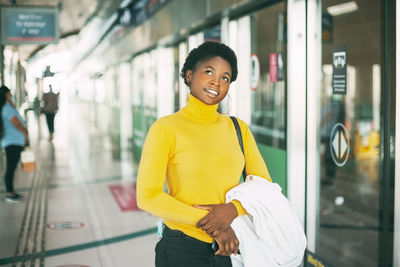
(342, 8)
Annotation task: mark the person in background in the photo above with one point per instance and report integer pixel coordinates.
(50, 108)
(14, 136)
(196, 151)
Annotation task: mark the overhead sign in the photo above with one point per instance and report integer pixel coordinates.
(339, 74)
(213, 34)
(340, 144)
(29, 25)
(254, 72)
(137, 12)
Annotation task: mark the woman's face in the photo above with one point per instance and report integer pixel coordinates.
(210, 80)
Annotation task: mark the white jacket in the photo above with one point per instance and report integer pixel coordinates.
(272, 235)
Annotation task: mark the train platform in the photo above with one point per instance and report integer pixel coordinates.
(79, 205)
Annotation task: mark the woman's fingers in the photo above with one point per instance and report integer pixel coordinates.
(203, 221)
(228, 247)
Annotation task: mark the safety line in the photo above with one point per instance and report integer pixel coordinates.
(89, 245)
(38, 219)
(95, 181)
(30, 221)
(46, 198)
(27, 208)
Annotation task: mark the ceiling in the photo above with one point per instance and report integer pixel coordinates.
(74, 14)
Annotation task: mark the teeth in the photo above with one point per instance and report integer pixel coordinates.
(212, 91)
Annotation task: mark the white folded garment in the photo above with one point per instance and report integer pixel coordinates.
(271, 235)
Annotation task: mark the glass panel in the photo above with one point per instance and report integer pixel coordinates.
(176, 78)
(268, 47)
(268, 87)
(350, 133)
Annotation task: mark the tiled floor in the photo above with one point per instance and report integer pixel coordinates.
(78, 171)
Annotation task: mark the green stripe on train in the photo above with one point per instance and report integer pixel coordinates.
(276, 163)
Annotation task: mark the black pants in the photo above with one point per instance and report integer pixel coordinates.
(176, 249)
(50, 121)
(13, 153)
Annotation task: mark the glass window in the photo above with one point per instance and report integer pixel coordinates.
(348, 230)
(268, 48)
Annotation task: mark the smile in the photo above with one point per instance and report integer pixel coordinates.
(211, 92)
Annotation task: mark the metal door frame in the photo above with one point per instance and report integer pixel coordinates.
(396, 247)
(303, 123)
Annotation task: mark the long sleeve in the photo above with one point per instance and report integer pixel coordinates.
(157, 151)
(255, 164)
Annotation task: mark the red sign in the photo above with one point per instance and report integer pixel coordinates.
(273, 67)
(125, 196)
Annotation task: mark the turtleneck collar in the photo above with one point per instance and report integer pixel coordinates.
(196, 109)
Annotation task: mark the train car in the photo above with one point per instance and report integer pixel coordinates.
(312, 86)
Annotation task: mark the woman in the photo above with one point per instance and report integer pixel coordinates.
(14, 136)
(196, 151)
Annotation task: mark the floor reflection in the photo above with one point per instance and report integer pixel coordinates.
(349, 209)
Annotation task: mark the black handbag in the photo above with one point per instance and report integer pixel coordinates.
(214, 245)
(239, 136)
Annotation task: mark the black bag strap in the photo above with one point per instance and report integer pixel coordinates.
(239, 136)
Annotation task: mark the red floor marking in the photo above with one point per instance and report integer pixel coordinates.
(125, 196)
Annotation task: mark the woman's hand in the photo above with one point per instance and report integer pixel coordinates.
(227, 242)
(218, 219)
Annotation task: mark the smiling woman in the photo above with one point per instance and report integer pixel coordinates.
(196, 151)
(209, 81)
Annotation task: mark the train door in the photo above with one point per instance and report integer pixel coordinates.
(180, 88)
(165, 81)
(259, 95)
(349, 210)
(138, 130)
(125, 114)
(183, 89)
(150, 89)
(144, 98)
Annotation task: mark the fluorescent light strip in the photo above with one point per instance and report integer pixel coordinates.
(342, 8)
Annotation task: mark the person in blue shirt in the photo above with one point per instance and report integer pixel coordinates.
(14, 136)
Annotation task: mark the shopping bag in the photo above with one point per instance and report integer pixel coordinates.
(28, 160)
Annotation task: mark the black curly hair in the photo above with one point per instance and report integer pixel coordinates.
(205, 51)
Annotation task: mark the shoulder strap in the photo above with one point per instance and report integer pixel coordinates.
(239, 136)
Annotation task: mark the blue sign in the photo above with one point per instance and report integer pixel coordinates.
(29, 25)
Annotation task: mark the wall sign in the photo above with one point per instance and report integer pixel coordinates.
(339, 74)
(273, 67)
(29, 25)
(254, 72)
(276, 71)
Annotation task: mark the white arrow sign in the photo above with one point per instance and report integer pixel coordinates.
(340, 144)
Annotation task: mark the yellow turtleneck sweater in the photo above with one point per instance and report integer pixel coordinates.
(197, 152)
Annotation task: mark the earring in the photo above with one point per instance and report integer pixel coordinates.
(229, 106)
